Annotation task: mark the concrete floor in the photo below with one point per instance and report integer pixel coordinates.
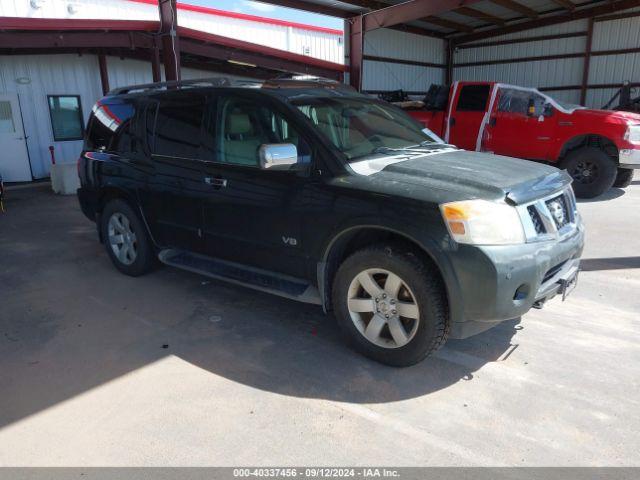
(251, 379)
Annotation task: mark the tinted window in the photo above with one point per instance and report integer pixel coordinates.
(66, 117)
(109, 123)
(178, 126)
(245, 126)
(473, 98)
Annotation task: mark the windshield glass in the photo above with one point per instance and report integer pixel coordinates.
(359, 127)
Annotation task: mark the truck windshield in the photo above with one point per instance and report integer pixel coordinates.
(359, 127)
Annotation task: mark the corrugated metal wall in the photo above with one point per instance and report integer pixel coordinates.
(386, 43)
(318, 44)
(566, 72)
(64, 75)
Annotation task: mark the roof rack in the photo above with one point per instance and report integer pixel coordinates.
(180, 84)
(306, 83)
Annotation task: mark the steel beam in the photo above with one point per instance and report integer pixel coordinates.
(586, 63)
(33, 39)
(409, 11)
(169, 36)
(356, 51)
(104, 73)
(516, 7)
(480, 15)
(565, 4)
(155, 64)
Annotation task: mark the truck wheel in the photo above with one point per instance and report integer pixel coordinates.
(391, 305)
(126, 240)
(624, 178)
(592, 170)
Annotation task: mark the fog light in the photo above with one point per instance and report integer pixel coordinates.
(521, 293)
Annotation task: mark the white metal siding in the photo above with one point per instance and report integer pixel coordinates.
(402, 46)
(317, 44)
(609, 69)
(49, 75)
(67, 74)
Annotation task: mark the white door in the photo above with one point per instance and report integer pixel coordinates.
(14, 159)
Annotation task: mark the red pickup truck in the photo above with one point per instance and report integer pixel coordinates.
(598, 148)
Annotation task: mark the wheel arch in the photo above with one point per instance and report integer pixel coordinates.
(113, 192)
(355, 238)
(589, 140)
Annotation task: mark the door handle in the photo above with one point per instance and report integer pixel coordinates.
(216, 181)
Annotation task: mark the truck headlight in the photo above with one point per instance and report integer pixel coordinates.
(632, 135)
(480, 222)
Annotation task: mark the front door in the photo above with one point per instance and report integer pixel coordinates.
(14, 159)
(254, 216)
(470, 105)
(520, 125)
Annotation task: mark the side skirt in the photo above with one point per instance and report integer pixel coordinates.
(256, 278)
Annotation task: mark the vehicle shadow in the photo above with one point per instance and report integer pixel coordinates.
(71, 323)
(610, 194)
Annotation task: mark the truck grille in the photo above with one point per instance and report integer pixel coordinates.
(551, 217)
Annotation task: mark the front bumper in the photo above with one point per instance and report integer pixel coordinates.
(499, 283)
(629, 158)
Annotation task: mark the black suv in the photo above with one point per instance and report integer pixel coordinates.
(312, 191)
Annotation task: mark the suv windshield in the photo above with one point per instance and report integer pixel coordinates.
(359, 127)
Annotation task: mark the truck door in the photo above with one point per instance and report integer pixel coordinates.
(469, 107)
(521, 125)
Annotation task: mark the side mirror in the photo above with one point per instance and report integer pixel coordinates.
(547, 110)
(278, 156)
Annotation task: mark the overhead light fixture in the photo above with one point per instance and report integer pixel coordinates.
(244, 64)
(36, 4)
(73, 8)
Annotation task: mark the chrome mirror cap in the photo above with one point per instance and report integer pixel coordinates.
(278, 156)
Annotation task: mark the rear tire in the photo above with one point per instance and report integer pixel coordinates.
(624, 178)
(592, 170)
(126, 239)
(409, 320)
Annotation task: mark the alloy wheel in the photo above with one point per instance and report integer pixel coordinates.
(383, 308)
(122, 238)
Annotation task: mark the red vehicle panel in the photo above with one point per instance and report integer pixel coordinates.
(599, 148)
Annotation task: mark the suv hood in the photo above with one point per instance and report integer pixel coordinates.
(450, 174)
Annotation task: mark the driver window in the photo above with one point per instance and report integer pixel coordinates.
(517, 101)
(245, 126)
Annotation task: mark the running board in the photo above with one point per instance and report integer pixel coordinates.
(256, 278)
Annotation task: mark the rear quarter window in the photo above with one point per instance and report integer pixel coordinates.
(108, 124)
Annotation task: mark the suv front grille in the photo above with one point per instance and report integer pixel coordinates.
(559, 212)
(550, 217)
(535, 218)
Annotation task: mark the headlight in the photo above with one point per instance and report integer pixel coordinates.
(479, 222)
(632, 135)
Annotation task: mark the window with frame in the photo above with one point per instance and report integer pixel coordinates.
(473, 98)
(245, 127)
(517, 101)
(178, 126)
(65, 112)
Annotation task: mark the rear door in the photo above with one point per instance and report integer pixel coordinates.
(515, 131)
(14, 160)
(254, 216)
(172, 198)
(469, 107)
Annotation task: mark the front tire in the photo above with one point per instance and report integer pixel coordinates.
(126, 239)
(624, 178)
(592, 170)
(391, 305)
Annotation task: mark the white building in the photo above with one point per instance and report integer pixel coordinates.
(57, 57)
